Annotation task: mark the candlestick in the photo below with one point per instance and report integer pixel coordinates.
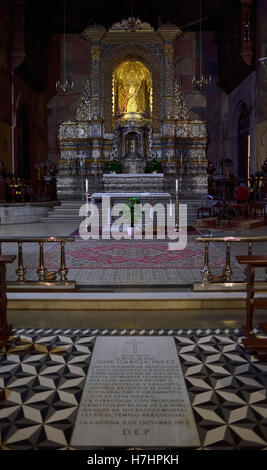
(170, 208)
(248, 156)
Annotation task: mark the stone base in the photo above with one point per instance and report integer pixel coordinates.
(23, 213)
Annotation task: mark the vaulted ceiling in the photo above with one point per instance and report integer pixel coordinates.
(49, 14)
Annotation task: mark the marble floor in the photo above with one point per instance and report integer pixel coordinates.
(42, 373)
(43, 367)
(216, 318)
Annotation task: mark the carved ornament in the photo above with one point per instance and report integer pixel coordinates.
(131, 25)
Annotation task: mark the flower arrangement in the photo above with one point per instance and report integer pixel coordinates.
(113, 166)
(153, 166)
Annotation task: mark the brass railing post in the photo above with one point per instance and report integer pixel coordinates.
(45, 276)
(206, 270)
(41, 271)
(227, 270)
(63, 271)
(20, 271)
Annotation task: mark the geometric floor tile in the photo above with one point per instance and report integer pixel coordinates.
(42, 373)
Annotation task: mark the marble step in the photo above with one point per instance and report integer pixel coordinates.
(69, 211)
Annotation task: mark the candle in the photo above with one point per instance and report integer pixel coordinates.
(86, 185)
(248, 156)
(176, 186)
(170, 208)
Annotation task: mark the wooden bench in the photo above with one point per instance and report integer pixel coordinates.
(251, 341)
(5, 328)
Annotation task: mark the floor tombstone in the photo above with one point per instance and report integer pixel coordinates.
(135, 395)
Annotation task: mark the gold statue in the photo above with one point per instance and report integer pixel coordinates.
(132, 88)
(131, 103)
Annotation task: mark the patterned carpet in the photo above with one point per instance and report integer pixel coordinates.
(42, 373)
(131, 262)
(129, 255)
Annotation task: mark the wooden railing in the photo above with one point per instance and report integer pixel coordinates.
(5, 327)
(45, 277)
(226, 275)
(253, 342)
(18, 190)
(14, 189)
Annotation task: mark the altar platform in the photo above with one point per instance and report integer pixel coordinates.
(151, 197)
(133, 182)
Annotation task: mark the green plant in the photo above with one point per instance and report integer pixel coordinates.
(131, 203)
(113, 165)
(153, 165)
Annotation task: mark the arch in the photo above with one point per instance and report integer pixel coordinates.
(244, 93)
(131, 52)
(235, 112)
(132, 86)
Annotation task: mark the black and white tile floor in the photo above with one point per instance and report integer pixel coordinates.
(42, 373)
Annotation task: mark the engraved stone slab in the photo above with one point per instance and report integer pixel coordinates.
(135, 395)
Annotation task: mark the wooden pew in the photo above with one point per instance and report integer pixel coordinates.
(5, 328)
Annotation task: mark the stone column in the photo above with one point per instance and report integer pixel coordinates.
(17, 53)
(95, 34)
(168, 34)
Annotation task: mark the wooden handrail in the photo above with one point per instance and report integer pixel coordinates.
(36, 239)
(251, 341)
(232, 239)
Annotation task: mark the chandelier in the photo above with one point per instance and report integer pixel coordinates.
(66, 84)
(200, 81)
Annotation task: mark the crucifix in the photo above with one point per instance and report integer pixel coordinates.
(135, 342)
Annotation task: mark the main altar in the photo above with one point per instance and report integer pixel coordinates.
(131, 111)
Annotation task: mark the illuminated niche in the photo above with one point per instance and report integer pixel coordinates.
(132, 90)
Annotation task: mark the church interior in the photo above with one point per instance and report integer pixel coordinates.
(154, 113)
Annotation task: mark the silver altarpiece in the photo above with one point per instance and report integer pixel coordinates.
(132, 110)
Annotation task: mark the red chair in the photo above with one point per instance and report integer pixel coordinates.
(241, 200)
(218, 208)
(206, 208)
(241, 194)
(257, 207)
